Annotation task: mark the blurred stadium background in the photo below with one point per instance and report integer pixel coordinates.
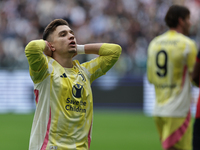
(123, 99)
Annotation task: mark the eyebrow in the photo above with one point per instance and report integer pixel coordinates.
(64, 31)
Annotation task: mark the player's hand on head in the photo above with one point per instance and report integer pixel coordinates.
(48, 50)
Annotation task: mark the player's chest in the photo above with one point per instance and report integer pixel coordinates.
(70, 81)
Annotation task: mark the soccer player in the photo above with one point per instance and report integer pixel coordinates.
(196, 127)
(62, 87)
(171, 58)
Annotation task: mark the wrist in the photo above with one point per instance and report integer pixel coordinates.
(80, 49)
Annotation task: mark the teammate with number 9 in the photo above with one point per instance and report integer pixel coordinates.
(171, 58)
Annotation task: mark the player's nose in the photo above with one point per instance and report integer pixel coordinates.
(71, 36)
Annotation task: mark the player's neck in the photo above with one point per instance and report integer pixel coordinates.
(64, 62)
(177, 29)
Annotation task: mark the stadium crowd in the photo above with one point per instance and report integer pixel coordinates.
(130, 23)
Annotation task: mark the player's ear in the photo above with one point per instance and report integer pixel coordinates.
(180, 21)
(52, 47)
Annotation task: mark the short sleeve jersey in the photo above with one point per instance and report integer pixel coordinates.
(64, 102)
(171, 57)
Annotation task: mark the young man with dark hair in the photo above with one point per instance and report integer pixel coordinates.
(62, 87)
(171, 57)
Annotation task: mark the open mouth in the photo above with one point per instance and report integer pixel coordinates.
(72, 43)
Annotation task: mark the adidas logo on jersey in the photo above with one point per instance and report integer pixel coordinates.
(63, 75)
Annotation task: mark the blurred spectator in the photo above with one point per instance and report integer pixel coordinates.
(132, 24)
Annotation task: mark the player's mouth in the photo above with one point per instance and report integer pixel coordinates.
(72, 44)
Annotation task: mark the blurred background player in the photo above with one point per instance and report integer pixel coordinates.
(171, 57)
(196, 127)
(62, 87)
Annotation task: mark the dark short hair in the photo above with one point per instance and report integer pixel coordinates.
(174, 13)
(52, 26)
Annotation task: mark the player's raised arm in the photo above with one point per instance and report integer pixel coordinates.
(108, 55)
(196, 71)
(94, 48)
(34, 52)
